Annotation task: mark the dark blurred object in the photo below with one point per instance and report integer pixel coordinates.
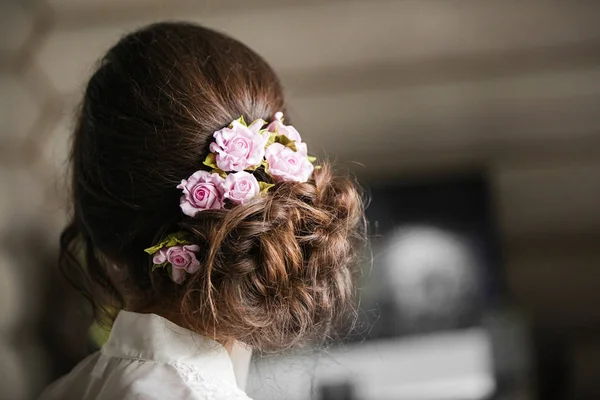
(510, 336)
(551, 363)
(436, 266)
(337, 391)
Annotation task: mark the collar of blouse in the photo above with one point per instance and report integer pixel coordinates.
(149, 337)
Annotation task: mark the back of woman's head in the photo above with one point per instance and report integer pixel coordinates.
(274, 270)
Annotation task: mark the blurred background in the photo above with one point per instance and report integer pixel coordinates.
(475, 127)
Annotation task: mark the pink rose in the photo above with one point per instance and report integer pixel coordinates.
(239, 147)
(182, 259)
(289, 131)
(240, 187)
(286, 164)
(201, 191)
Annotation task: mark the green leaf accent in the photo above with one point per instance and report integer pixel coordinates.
(264, 187)
(171, 240)
(286, 141)
(272, 136)
(221, 173)
(211, 161)
(253, 168)
(311, 159)
(318, 167)
(265, 164)
(155, 266)
(241, 120)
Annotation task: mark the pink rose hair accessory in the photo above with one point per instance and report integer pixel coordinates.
(241, 149)
(278, 128)
(201, 191)
(285, 164)
(237, 154)
(240, 187)
(239, 146)
(177, 254)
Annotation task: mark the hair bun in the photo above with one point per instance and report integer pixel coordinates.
(280, 269)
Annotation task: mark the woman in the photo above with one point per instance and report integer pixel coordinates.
(199, 213)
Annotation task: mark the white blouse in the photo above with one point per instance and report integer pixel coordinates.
(149, 357)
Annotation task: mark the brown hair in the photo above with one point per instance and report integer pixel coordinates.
(275, 270)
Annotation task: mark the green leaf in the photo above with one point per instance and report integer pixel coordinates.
(171, 240)
(211, 161)
(292, 145)
(241, 120)
(272, 136)
(253, 168)
(286, 141)
(154, 249)
(264, 186)
(155, 266)
(221, 173)
(311, 159)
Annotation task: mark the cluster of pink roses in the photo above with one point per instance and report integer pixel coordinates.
(207, 190)
(236, 153)
(182, 259)
(177, 254)
(240, 148)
